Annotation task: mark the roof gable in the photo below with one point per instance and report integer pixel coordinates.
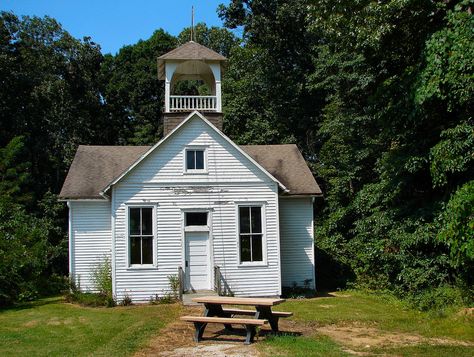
(190, 117)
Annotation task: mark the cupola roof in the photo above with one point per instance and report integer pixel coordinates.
(189, 51)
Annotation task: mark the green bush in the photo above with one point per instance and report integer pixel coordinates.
(24, 252)
(437, 299)
(101, 276)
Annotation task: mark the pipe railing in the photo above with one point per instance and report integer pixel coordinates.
(217, 280)
(181, 283)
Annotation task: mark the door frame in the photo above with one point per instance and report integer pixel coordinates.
(210, 240)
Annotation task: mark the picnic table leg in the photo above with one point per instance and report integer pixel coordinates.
(200, 327)
(251, 331)
(265, 312)
(216, 310)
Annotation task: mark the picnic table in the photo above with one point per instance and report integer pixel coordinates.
(216, 312)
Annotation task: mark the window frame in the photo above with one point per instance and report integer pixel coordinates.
(185, 158)
(262, 206)
(128, 236)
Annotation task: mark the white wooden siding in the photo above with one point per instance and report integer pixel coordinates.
(296, 241)
(166, 163)
(231, 178)
(91, 238)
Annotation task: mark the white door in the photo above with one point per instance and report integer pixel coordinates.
(197, 265)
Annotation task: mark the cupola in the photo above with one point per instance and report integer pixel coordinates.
(191, 62)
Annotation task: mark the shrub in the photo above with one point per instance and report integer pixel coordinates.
(174, 285)
(436, 299)
(101, 276)
(127, 300)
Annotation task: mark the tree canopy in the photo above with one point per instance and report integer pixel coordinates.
(377, 95)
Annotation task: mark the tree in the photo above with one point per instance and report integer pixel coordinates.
(133, 94)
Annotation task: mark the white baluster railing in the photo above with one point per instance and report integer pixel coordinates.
(193, 102)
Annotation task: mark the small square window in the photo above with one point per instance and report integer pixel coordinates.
(195, 159)
(196, 219)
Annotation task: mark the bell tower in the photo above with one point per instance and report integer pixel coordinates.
(189, 62)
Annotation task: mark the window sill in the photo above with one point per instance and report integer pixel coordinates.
(197, 172)
(142, 267)
(252, 265)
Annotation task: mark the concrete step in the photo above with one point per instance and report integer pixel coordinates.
(187, 297)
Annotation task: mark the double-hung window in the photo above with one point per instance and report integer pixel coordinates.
(195, 160)
(141, 235)
(250, 234)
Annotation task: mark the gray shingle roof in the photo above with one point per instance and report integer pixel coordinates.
(192, 51)
(94, 167)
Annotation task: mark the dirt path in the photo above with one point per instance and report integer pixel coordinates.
(176, 339)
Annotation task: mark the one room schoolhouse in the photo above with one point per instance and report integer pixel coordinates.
(195, 205)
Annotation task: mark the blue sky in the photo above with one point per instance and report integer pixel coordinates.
(115, 23)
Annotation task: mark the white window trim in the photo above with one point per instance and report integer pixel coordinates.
(205, 228)
(262, 205)
(195, 171)
(127, 235)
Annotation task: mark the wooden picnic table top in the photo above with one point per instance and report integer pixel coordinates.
(227, 300)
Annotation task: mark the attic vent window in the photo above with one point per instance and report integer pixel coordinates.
(195, 160)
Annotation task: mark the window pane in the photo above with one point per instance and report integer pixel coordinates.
(196, 218)
(244, 216)
(135, 251)
(257, 255)
(199, 159)
(256, 220)
(147, 250)
(147, 221)
(245, 248)
(134, 221)
(190, 163)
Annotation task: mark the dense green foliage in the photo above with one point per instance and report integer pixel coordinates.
(378, 96)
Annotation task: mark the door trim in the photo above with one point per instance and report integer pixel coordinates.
(210, 239)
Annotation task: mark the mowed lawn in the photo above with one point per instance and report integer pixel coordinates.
(338, 324)
(50, 327)
(351, 323)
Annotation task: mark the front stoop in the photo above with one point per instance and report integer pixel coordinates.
(188, 297)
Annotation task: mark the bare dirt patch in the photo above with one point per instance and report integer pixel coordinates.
(362, 337)
(31, 323)
(176, 339)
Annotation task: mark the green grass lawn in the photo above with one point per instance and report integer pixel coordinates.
(381, 313)
(50, 327)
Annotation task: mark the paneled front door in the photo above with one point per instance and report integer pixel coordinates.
(197, 265)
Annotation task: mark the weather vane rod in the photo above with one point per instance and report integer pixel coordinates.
(192, 23)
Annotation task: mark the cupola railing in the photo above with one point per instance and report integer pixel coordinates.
(193, 102)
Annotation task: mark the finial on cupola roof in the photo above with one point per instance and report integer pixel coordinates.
(192, 24)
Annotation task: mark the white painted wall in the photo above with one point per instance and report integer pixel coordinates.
(297, 241)
(231, 179)
(90, 238)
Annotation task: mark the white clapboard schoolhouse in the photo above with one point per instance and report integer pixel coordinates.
(195, 205)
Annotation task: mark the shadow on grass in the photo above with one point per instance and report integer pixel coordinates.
(238, 335)
(32, 304)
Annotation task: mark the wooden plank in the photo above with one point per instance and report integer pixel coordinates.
(226, 300)
(252, 312)
(224, 320)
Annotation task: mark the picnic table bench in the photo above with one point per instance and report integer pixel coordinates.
(215, 313)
